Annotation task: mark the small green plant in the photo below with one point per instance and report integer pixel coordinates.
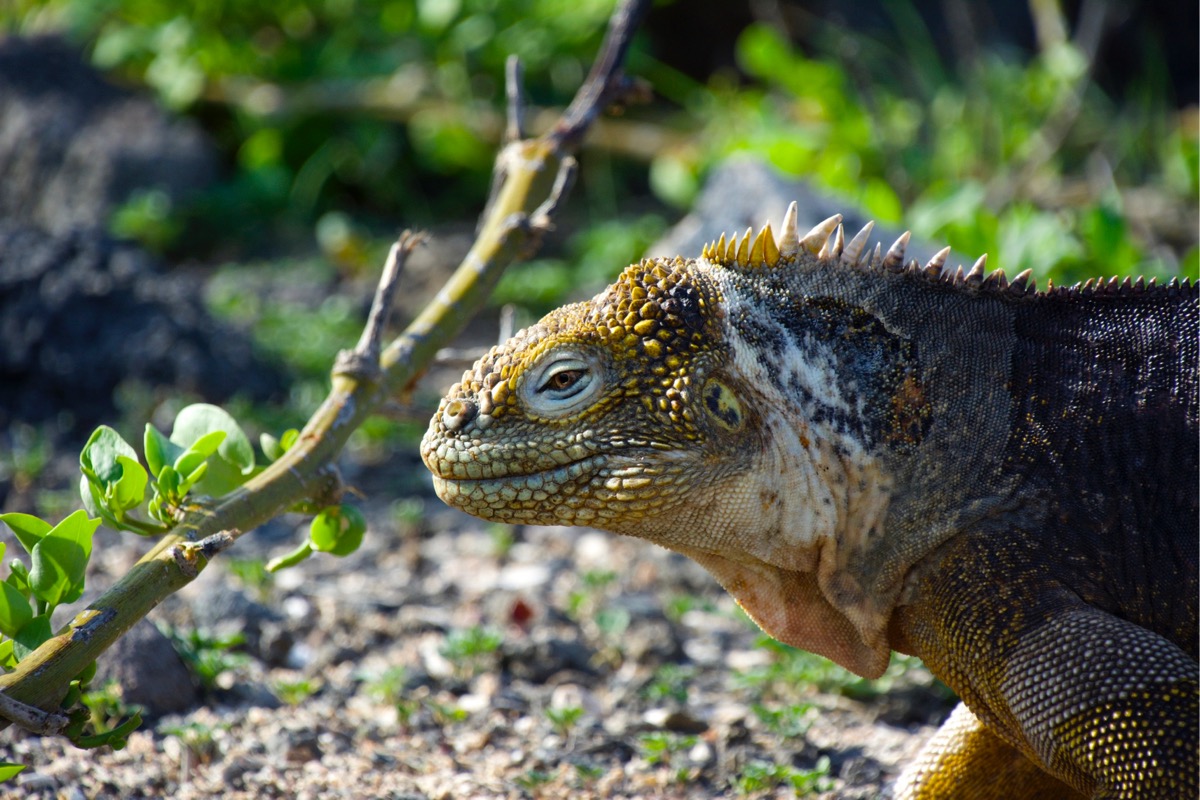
(106, 706)
(792, 671)
(662, 747)
(564, 719)
(199, 738)
(503, 538)
(149, 218)
(445, 714)
(677, 605)
(208, 656)
(670, 684)
(295, 692)
(588, 773)
(254, 575)
(758, 776)
(533, 780)
(27, 454)
(788, 721)
(388, 686)
(472, 649)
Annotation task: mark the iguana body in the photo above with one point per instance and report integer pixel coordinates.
(873, 456)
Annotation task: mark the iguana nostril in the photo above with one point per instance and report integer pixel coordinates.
(458, 413)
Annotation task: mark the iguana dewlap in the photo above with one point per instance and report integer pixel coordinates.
(874, 456)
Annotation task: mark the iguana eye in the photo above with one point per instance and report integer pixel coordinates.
(562, 384)
(564, 381)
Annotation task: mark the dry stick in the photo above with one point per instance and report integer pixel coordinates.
(305, 471)
(363, 360)
(514, 82)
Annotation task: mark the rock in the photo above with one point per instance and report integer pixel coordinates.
(74, 147)
(149, 671)
(744, 192)
(231, 611)
(82, 314)
(674, 720)
(538, 658)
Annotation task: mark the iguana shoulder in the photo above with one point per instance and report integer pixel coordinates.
(854, 445)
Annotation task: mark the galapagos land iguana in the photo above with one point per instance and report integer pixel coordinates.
(871, 456)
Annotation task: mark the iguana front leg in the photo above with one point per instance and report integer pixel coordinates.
(1102, 704)
(965, 759)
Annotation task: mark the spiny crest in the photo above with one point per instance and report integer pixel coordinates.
(827, 241)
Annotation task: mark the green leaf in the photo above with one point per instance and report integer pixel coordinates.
(289, 438)
(185, 484)
(234, 459)
(93, 499)
(15, 611)
(27, 528)
(31, 636)
(60, 560)
(270, 446)
(168, 480)
(130, 490)
(197, 453)
(101, 454)
(338, 530)
(113, 479)
(160, 450)
(9, 771)
(18, 578)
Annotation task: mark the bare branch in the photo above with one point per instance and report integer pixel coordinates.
(363, 360)
(603, 80)
(514, 83)
(30, 718)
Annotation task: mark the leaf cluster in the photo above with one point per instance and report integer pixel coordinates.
(207, 454)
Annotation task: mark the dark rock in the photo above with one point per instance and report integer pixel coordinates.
(234, 772)
(297, 746)
(538, 658)
(81, 314)
(74, 147)
(149, 671)
(231, 611)
(744, 192)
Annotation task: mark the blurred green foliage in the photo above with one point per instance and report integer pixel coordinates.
(1029, 160)
(338, 119)
(280, 84)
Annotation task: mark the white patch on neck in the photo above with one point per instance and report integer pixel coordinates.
(830, 494)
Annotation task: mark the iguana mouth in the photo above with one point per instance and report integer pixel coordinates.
(518, 496)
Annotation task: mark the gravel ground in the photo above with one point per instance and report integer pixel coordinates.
(453, 659)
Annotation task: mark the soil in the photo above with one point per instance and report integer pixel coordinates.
(615, 669)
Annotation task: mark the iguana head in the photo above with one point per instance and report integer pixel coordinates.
(649, 410)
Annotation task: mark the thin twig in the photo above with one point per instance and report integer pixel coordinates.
(363, 360)
(543, 216)
(604, 77)
(514, 84)
(30, 718)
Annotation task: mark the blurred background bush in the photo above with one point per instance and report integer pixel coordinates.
(1055, 135)
(1062, 136)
